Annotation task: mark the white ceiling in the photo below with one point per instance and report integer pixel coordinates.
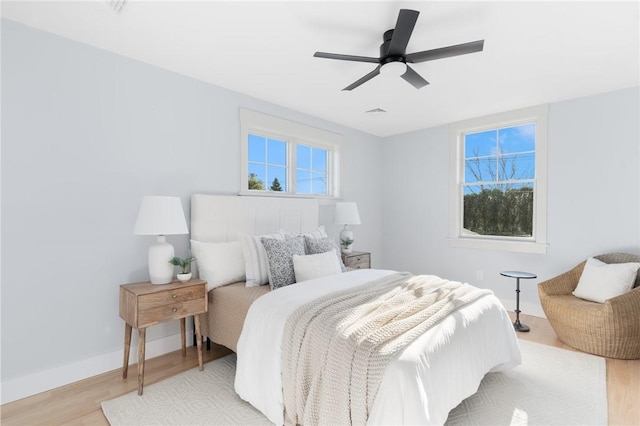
(534, 52)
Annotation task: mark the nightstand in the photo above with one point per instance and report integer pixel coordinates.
(357, 260)
(145, 304)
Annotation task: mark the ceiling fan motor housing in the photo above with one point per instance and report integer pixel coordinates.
(384, 50)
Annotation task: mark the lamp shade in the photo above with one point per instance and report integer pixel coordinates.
(347, 214)
(160, 216)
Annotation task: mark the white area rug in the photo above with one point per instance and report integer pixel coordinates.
(551, 387)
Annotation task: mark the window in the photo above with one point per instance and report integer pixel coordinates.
(311, 170)
(498, 181)
(267, 164)
(280, 157)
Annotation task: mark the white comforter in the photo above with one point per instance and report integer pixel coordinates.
(431, 376)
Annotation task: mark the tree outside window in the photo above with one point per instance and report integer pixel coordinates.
(499, 182)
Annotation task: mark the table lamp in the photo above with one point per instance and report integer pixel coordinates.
(160, 216)
(346, 214)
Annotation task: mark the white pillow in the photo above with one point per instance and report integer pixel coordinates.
(219, 263)
(601, 281)
(255, 258)
(316, 265)
(323, 245)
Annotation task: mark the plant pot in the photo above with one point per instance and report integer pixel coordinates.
(347, 249)
(184, 277)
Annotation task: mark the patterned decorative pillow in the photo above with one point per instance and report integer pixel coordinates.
(280, 255)
(323, 245)
(255, 258)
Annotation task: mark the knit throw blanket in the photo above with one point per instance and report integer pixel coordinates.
(336, 348)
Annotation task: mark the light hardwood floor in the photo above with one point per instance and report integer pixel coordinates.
(79, 403)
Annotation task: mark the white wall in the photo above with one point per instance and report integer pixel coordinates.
(593, 202)
(86, 134)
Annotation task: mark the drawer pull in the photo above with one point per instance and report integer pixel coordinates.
(174, 296)
(175, 310)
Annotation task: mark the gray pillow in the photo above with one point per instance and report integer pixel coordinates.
(323, 245)
(280, 256)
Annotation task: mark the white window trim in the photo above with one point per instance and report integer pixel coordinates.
(294, 133)
(537, 243)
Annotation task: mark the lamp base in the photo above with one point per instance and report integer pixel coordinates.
(160, 270)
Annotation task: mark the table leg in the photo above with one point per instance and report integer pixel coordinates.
(198, 340)
(127, 349)
(183, 336)
(141, 342)
(517, 325)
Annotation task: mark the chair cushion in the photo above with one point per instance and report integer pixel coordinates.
(601, 281)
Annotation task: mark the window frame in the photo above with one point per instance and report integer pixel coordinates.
(537, 243)
(294, 134)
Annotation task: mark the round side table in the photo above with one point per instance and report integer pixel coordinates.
(517, 275)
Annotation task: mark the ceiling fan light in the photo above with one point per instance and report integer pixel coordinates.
(394, 68)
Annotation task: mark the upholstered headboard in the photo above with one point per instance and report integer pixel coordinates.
(220, 218)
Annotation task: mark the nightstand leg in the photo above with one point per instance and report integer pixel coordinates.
(198, 340)
(141, 342)
(183, 335)
(127, 349)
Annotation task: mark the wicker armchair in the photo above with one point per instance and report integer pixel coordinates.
(610, 329)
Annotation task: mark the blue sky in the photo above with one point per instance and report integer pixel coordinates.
(500, 154)
(268, 160)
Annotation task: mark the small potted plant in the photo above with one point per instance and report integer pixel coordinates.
(346, 244)
(185, 267)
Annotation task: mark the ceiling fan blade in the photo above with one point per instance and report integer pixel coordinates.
(346, 57)
(414, 78)
(404, 27)
(446, 52)
(364, 79)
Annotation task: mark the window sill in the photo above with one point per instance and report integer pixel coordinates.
(503, 245)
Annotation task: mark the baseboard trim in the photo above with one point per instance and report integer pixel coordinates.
(42, 381)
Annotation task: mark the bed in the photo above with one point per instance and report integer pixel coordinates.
(430, 377)
(225, 219)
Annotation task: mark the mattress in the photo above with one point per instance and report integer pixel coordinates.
(228, 306)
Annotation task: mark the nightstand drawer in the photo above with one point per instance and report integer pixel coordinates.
(359, 265)
(163, 298)
(176, 310)
(357, 260)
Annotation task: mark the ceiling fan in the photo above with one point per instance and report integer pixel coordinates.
(393, 53)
